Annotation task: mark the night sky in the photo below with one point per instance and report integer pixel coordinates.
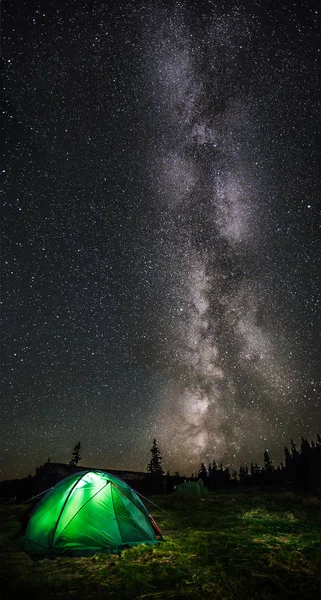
(161, 263)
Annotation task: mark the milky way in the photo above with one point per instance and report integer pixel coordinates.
(235, 376)
(162, 232)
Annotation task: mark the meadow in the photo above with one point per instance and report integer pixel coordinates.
(231, 545)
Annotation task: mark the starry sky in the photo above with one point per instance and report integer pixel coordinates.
(161, 240)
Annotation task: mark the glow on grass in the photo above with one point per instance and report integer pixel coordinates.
(259, 513)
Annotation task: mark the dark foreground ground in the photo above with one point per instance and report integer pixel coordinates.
(231, 545)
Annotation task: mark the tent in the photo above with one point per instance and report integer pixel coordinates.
(89, 512)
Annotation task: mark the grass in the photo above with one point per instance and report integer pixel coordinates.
(229, 546)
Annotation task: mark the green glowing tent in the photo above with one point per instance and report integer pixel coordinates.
(89, 512)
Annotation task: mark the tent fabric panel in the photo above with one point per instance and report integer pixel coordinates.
(41, 526)
(133, 525)
(81, 494)
(139, 504)
(93, 526)
(129, 493)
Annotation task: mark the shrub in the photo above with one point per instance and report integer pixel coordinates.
(192, 490)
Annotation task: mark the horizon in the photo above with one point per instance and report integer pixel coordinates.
(183, 472)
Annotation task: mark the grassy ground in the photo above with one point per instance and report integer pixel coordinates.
(230, 546)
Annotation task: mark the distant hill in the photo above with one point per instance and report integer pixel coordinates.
(48, 474)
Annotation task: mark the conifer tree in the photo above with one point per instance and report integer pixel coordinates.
(76, 456)
(294, 450)
(212, 475)
(241, 474)
(268, 467)
(155, 465)
(287, 455)
(202, 474)
(226, 476)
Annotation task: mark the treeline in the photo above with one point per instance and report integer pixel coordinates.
(302, 468)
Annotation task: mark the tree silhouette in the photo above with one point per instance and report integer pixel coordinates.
(294, 450)
(268, 467)
(203, 474)
(76, 456)
(303, 467)
(242, 474)
(155, 465)
(268, 470)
